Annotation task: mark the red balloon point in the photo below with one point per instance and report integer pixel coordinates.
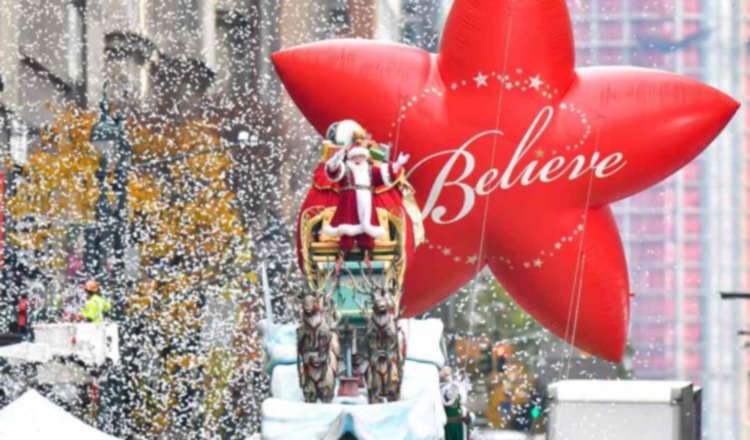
(515, 154)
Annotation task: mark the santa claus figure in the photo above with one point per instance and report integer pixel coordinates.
(355, 219)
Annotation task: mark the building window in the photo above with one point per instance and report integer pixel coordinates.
(238, 43)
(419, 24)
(75, 42)
(338, 17)
(129, 57)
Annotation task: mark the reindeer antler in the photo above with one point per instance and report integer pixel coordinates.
(362, 306)
(370, 283)
(326, 277)
(355, 285)
(331, 291)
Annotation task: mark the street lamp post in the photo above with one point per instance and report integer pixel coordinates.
(109, 237)
(110, 230)
(120, 187)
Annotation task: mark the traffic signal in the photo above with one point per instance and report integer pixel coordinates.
(537, 404)
(535, 410)
(522, 420)
(500, 352)
(485, 361)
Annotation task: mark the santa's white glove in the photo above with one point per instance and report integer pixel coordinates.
(402, 159)
(336, 160)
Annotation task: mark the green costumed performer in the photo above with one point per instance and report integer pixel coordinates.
(455, 393)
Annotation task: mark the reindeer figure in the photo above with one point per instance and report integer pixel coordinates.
(317, 347)
(386, 349)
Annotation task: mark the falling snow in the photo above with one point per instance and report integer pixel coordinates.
(178, 228)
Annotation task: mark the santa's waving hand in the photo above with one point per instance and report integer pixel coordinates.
(335, 166)
(402, 159)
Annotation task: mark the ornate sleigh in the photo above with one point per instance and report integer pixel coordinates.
(363, 300)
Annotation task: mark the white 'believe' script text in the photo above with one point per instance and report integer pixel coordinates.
(556, 167)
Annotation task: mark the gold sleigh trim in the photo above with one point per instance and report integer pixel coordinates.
(316, 214)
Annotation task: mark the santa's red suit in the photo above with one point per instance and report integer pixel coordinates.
(355, 219)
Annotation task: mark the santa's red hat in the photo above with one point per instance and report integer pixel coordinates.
(357, 150)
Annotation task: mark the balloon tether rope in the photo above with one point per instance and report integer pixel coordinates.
(577, 287)
(398, 127)
(480, 254)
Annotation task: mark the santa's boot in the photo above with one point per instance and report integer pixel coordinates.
(368, 260)
(339, 262)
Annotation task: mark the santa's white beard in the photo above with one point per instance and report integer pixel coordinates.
(360, 171)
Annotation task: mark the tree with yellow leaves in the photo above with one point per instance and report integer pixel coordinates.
(183, 220)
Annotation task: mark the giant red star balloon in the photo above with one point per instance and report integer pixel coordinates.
(515, 154)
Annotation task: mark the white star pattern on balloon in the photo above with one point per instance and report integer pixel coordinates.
(481, 80)
(536, 82)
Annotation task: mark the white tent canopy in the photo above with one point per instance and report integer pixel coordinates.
(33, 417)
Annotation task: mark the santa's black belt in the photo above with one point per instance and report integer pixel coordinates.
(356, 187)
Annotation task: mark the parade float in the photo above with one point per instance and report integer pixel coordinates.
(515, 156)
(351, 365)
